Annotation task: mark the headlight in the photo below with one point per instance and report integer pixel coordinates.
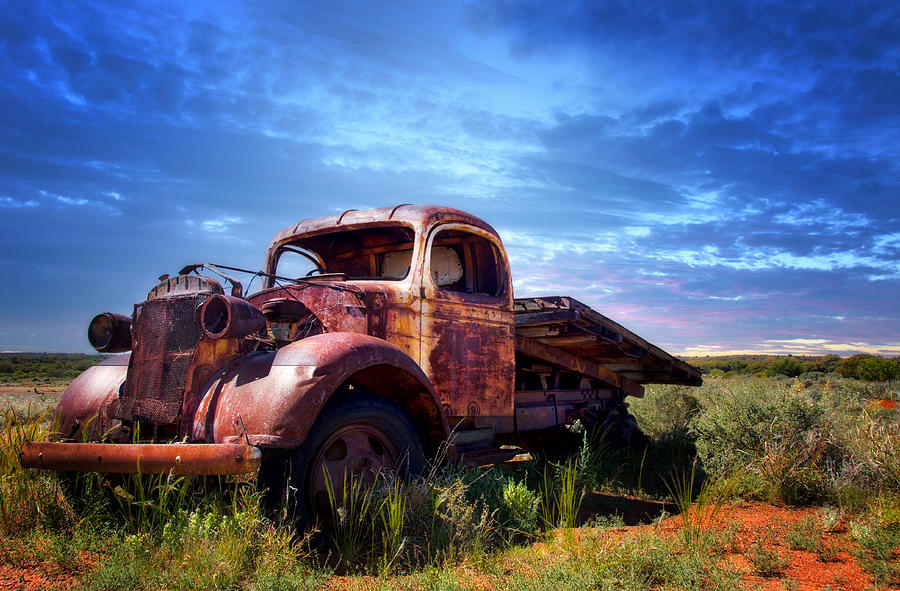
(224, 316)
(110, 333)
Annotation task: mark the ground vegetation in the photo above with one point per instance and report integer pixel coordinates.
(747, 482)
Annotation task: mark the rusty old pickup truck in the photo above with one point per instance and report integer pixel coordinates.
(377, 337)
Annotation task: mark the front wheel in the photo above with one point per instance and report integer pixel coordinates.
(360, 434)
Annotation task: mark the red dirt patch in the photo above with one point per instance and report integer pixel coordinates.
(769, 525)
(24, 568)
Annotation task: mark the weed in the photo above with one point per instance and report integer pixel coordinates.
(520, 507)
(878, 537)
(280, 563)
(567, 505)
(559, 505)
(150, 500)
(806, 534)
(606, 521)
(766, 562)
(392, 514)
(28, 498)
(830, 518)
(350, 527)
(701, 511)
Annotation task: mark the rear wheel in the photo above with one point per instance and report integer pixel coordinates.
(360, 434)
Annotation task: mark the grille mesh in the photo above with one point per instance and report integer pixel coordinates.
(164, 335)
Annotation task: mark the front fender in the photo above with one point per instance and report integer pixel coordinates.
(272, 399)
(91, 399)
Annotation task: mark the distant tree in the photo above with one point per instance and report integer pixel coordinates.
(849, 367)
(786, 366)
(828, 363)
(876, 369)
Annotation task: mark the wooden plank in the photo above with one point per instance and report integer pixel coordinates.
(546, 317)
(565, 340)
(545, 330)
(578, 364)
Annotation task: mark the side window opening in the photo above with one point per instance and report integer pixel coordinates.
(466, 263)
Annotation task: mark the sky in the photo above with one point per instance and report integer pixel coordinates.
(716, 176)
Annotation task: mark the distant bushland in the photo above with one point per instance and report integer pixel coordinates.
(870, 368)
(44, 366)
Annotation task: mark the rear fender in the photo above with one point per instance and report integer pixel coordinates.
(272, 399)
(88, 406)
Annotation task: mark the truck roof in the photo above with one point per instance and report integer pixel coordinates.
(419, 217)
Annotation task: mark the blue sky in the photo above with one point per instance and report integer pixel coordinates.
(717, 176)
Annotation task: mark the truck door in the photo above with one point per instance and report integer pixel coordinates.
(468, 324)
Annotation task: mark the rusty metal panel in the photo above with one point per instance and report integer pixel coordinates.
(202, 459)
(536, 409)
(468, 338)
(165, 335)
(272, 399)
(88, 406)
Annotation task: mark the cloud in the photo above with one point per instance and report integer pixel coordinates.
(221, 225)
(9, 202)
(736, 187)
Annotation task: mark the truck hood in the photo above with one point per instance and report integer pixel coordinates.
(337, 306)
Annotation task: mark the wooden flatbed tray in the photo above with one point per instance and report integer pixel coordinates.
(580, 335)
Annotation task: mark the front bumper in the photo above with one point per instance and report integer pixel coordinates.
(207, 459)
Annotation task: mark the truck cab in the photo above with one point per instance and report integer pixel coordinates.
(436, 283)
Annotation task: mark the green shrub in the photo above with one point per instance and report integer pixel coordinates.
(777, 432)
(666, 410)
(520, 507)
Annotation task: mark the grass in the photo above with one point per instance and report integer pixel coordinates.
(699, 509)
(766, 561)
(497, 526)
(806, 535)
(878, 538)
(560, 497)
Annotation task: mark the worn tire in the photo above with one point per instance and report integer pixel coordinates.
(356, 431)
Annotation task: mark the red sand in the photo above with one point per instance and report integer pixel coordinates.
(756, 522)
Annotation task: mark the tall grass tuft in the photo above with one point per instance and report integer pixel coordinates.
(350, 527)
(699, 511)
(150, 500)
(392, 514)
(560, 496)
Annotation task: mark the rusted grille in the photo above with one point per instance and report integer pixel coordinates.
(164, 335)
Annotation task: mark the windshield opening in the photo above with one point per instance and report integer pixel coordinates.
(371, 253)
